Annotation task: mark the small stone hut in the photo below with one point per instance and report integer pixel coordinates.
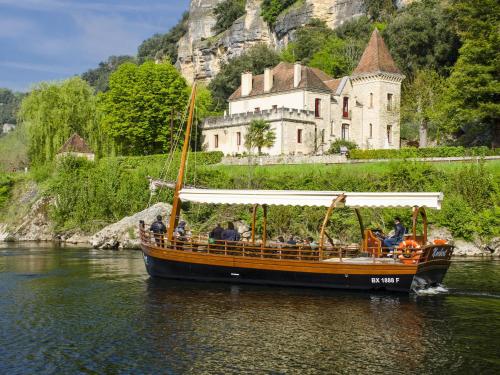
(76, 146)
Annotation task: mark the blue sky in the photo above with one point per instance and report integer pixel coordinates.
(45, 40)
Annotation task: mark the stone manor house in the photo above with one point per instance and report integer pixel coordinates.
(308, 109)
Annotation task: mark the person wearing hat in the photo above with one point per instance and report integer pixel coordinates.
(399, 232)
(158, 229)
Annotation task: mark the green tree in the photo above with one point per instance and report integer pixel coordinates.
(138, 106)
(420, 100)
(228, 79)
(337, 57)
(163, 46)
(226, 13)
(421, 36)
(53, 111)
(98, 78)
(9, 105)
(380, 10)
(259, 135)
(471, 104)
(271, 9)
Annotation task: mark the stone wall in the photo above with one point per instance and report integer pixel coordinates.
(284, 159)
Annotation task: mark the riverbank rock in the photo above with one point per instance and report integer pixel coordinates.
(36, 225)
(464, 248)
(125, 233)
(4, 233)
(493, 247)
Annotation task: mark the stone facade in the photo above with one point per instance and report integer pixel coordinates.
(308, 110)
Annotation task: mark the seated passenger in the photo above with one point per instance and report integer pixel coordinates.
(216, 233)
(158, 229)
(230, 234)
(291, 241)
(312, 244)
(180, 231)
(399, 232)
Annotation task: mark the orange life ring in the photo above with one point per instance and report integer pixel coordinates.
(440, 241)
(408, 244)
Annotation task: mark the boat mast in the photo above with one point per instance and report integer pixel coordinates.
(176, 205)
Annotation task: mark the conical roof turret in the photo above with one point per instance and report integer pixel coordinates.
(376, 57)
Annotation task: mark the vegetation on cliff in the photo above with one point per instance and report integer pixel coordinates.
(226, 13)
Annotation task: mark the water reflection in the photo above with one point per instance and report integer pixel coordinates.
(73, 310)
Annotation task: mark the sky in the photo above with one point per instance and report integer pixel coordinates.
(46, 40)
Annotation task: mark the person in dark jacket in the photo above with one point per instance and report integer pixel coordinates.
(216, 233)
(399, 232)
(158, 229)
(230, 234)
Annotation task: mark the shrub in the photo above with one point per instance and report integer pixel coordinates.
(226, 13)
(337, 144)
(271, 9)
(429, 152)
(6, 184)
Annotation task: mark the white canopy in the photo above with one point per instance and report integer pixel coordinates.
(311, 198)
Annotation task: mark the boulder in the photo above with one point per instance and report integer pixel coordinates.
(125, 233)
(36, 225)
(462, 248)
(493, 247)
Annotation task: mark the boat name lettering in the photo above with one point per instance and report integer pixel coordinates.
(439, 252)
(385, 280)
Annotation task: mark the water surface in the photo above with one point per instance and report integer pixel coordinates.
(86, 311)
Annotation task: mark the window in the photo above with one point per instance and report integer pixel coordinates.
(345, 132)
(317, 107)
(389, 134)
(371, 131)
(332, 128)
(216, 141)
(238, 138)
(323, 136)
(371, 100)
(299, 135)
(275, 107)
(257, 109)
(389, 102)
(345, 108)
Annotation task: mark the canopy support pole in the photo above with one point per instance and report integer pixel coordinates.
(254, 217)
(416, 212)
(361, 226)
(329, 212)
(264, 225)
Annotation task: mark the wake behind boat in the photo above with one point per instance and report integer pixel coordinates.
(415, 264)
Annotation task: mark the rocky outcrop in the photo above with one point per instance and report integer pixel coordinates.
(36, 225)
(465, 248)
(125, 233)
(201, 53)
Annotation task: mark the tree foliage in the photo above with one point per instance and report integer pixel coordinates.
(163, 46)
(380, 10)
(271, 9)
(228, 79)
(226, 13)
(420, 36)
(471, 101)
(9, 105)
(259, 135)
(98, 78)
(421, 98)
(53, 111)
(137, 108)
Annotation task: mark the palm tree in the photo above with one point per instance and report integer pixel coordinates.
(259, 135)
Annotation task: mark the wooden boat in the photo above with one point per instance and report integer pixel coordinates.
(364, 266)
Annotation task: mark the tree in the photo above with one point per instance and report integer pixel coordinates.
(271, 9)
(226, 13)
(163, 46)
(380, 10)
(420, 100)
(53, 111)
(471, 101)
(138, 107)
(421, 36)
(337, 57)
(98, 78)
(259, 135)
(228, 79)
(9, 105)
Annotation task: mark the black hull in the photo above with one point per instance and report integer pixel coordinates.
(201, 272)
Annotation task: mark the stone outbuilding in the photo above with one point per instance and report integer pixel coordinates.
(76, 146)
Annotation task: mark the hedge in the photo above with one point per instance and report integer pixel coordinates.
(429, 152)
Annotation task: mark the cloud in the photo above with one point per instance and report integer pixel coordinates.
(15, 27)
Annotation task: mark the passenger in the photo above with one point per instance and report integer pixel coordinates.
(180, 231)
(281, 240)
(230, 234)
(399, 231)
(158, 229)
(291, 241)
(216, 233)
(312, 244)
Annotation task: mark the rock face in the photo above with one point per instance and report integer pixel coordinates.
(464, 248)
(36, 226)
(201, 52)
(125, 233)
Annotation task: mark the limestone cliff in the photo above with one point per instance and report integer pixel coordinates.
(201, 52)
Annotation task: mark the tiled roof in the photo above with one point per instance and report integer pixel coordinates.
(75, 143)
(333, 84)
(312, 78)
(376, 57)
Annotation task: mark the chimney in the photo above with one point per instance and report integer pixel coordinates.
(246, 83)
(268, 79)
(297, 74)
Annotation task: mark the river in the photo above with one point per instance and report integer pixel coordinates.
(85, 311)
